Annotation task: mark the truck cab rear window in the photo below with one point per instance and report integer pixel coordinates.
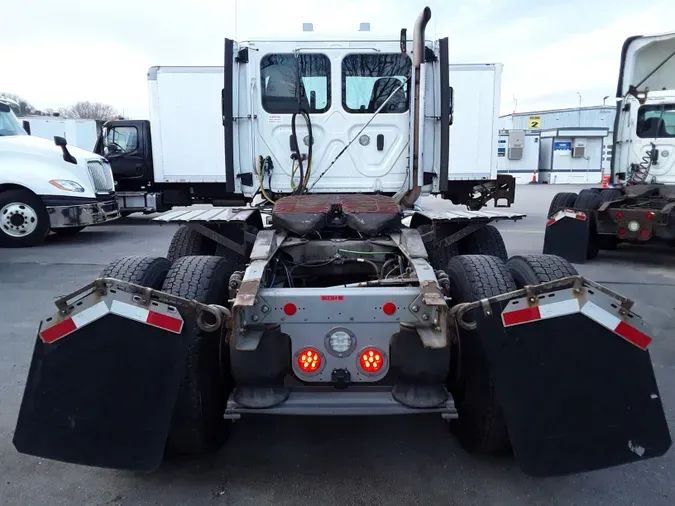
(656, 121)
(281, 91)
(368, 79)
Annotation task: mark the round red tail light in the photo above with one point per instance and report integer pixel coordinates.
(650, 215)
(644, 234)
(309, 360)
(619, 215)
(371, 360)
(290, 309)
(621, 231)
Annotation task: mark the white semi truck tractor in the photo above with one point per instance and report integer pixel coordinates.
(336, 296)
(639, 205)
(46, 185)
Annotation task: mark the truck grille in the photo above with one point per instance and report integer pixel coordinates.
(101, 175)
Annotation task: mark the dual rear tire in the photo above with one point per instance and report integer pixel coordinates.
(481, 426)
(197, 425)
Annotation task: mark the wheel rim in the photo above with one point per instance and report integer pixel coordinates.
(18, 219)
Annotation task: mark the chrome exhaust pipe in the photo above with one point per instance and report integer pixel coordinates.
(418, 59)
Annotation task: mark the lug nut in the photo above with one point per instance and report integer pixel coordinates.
(265, 309)
(255, 318)
(415, 309)
(425, 317)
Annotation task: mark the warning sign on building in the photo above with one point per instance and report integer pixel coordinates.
(534, 122)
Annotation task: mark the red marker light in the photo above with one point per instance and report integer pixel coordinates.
(621, 231)
(644, 234)
(290, 309)
(650, 215)
(389, 308)
(619, 215)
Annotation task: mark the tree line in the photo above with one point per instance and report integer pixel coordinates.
(79, 110)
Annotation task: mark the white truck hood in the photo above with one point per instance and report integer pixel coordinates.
(29, 144)
(640, 56)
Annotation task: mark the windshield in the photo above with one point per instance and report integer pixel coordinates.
(656, 121)
(9, 125)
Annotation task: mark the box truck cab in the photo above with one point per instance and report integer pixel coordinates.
(47, 185)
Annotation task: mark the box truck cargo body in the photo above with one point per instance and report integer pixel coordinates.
(80, 133)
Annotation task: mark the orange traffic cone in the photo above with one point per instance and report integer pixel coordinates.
(534, 176)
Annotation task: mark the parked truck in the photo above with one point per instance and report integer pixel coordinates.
(80, 133)
(638, 207)
(176, 157)
(336, 296)
(46, 185)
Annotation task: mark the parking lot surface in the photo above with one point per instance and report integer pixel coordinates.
(329, 461)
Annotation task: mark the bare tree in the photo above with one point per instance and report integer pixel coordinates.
(25, 107)
(89, 110)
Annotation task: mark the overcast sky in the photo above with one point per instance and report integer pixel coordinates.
(54, 53)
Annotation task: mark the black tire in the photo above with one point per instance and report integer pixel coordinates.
(68, 231)
(589, 199)
(188, 242)
(609, 195)
(480, 427)
(438, 256)
(144, 271)
(484, 241)
(22, 210)
(561, 201)
(536, 269)
(197, 426)
(234, 258)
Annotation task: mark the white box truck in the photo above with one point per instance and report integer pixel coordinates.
(81, 133)
(177, 157)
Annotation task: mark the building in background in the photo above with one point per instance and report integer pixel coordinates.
(571, 155)
(518, 154)
(583, 118)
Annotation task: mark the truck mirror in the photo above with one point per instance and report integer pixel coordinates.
(451, 98)
(26, 126)
(60, 141)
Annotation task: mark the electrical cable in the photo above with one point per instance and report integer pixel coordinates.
(301, 187)
(260, 180)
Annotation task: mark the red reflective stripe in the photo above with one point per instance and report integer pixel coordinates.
(521, 316)
(550, 222)
(633, 335)
(164, 322)
(581, 217)
(58, 331)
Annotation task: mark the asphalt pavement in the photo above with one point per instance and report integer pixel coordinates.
(328, 461)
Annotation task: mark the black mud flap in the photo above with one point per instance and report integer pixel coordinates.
(103, 395)
(570, 235)
(575, 382)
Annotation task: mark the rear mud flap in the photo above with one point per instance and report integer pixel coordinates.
(575, 382)
(570, 234)
(102, 385)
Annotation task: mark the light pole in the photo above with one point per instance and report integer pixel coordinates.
(579, 107)
(604, 100)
